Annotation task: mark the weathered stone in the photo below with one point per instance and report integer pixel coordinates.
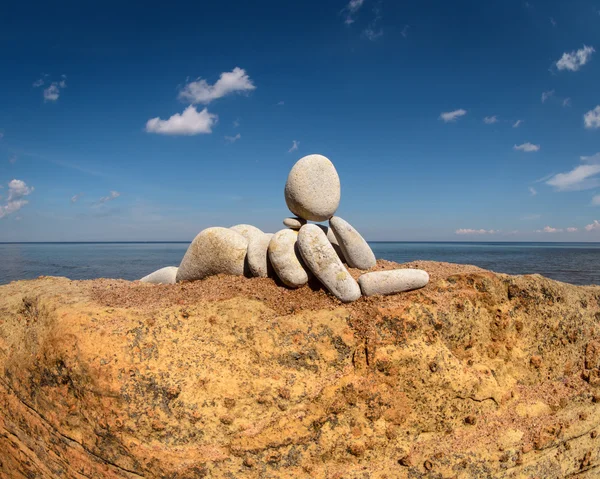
(247, 231)
(286, 260)
(258, 257)
(392, 281)
(294, 223)
(214, 251)
(357, 252)
(165, 275)
(312, 190)
(323, 261)
(336, 245)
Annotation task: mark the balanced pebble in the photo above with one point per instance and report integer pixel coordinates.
(213, 251)
(356, 250)
(323, 261)
(392, 281)
(294, 223)
(165, 275)
(285, 259)
(258, 257)
(247, 231)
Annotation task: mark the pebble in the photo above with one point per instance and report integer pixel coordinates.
(213, 251)
(357, 252)
(257, 257)
(247, 231)
(294, 223)
(392, 281)
(285, 259)
(312, 190)
(165, 275)
(323, 261)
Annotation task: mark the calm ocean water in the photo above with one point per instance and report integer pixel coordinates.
(577, 263)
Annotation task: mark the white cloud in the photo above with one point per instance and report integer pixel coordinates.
(17, 189)
(373, 30)
(295, 145)
(566, 102)
(593, 226)
(581, 177)
(451, 116)
(532, 191)
(517, 123)
(552, 21)
(38, 83)
(233, 139)
(404, 31)
(190, 122)
(110, 197)
(546, 95)
(351, 9)
(596, 200)
(469, 231)
(200, 91)
(592, 118)
(51, 93)
(281, 103)
(527, 147)
(574, 60)
(489, 120)
(76, 197)
(550, 229)
(572, 229)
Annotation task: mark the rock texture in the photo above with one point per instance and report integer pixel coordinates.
(214, 251)
(356, 251)
(391, 282)
(312, 190)
(478, 375)
(320, 257)
(247, 231)
(258, 256)
(165, 275)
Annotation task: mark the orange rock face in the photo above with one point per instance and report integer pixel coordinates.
(477, 375)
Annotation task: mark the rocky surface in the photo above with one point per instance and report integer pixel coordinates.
(477, 375)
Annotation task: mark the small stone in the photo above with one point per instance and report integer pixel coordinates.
(392, 281)
(322, 260)
(161, 276)
(213, 251)
(312, 190)
(294, 223)
(357, 252)
(257, 257)
(470, 419)
(286, 260)
(247, 231)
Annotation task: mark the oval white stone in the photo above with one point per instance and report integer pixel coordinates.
(323, 261)
(393, 281)
(257, 257)
(213, 251)
(357, 252)
(247, 231)
(294, 223)
(165, 275)
(312, 190)
(286, 260)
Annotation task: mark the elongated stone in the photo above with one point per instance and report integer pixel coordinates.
(285, 259)
(213, 251)
(258, 255)
(165, 275)
(392, 281)
(294, 223)
(320, 257)
(247, 231)
(357, 252)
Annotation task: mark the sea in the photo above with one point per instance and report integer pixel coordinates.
(576, 263)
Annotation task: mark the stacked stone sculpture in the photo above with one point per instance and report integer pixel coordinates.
(299, 251)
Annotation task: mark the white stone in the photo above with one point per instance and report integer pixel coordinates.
(294, 223)
(336, 245)
(357, 252)
(213, 251)
(247, 231)
(285, 259)
(392, 281)
(323, 261)
(312, 190)
(165, 275)
(258, 257)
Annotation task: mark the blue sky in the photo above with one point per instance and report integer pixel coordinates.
(456, 120)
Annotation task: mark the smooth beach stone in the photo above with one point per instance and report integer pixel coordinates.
(393, 281)
(336, 245)
(258, 255)
(312, 190)
(247, 231)
(320, 257)
(213, 251)
(294, 223)
(165, 275)
(357, 252)
(285, 259)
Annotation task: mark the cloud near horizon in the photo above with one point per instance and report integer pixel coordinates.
(574, 60)
(17, 189)
(582, 177)
(199, 91)
(190, 122)
(451, 116)
(595, 226)
(469, 231)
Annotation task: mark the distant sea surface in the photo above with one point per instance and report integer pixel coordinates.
(577, 263)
